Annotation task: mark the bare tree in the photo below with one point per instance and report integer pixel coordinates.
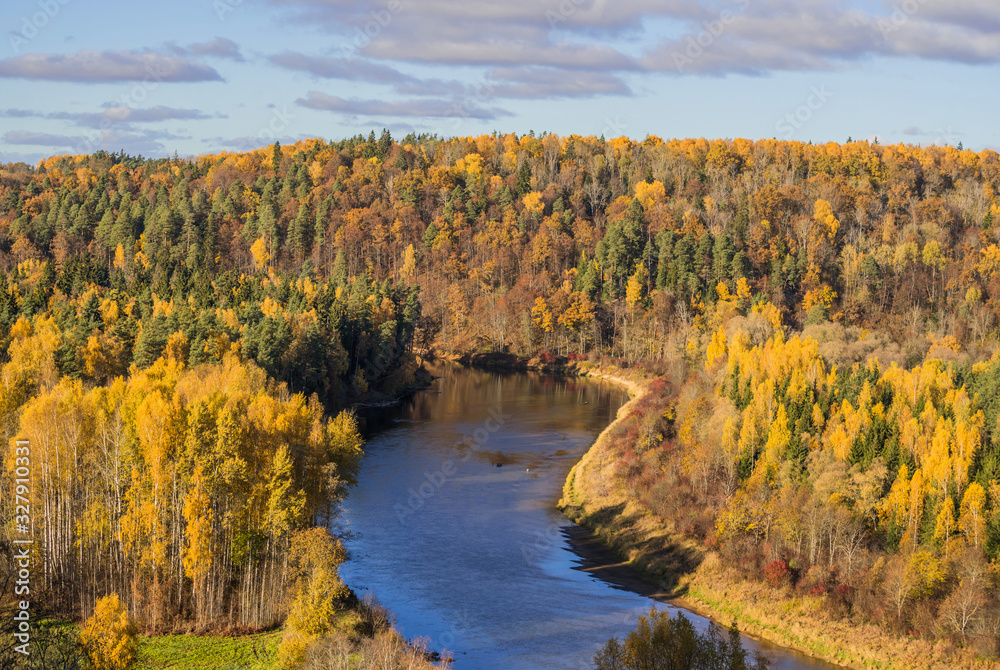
(962, 606)
(852, 542)
(897, 585)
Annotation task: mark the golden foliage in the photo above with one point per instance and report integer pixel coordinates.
(541, 316)
(109, 639)
(533, 204)
(261, 256)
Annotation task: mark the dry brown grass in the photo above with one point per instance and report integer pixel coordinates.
(386, 651)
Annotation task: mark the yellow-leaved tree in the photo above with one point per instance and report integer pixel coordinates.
(823, 214)
(541, 316)
(261, 256)
(197, 558)
(650, 193)
(409, 263)
(717, 347)
(533, 203)
(109, 638)
(971, 521)
(945, 524)
(315, 590)
(636, 286)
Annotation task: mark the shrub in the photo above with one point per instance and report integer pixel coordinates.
(659, 387)
(665, 643)
(743, 554)
(375, 617)
(840, 600)
(548, 358)
(315, 592)
(386, 650)
(818, 580)
(817, 590)
(109, 639)
(777, 573)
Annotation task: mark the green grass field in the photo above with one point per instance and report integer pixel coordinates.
(197, 652)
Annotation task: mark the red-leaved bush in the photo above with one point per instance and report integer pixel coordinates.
(777, 573)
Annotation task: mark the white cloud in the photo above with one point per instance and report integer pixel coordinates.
(219, 47)
(420, 107)
(735, 36)
(106, 66)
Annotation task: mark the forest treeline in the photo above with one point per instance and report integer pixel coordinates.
(880, 237)
(184, 435)
(803, 460)
(180, 300)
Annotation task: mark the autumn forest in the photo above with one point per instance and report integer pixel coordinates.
(183, 340)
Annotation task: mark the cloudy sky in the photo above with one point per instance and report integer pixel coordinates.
(199, 76)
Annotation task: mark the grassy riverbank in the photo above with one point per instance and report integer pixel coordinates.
(594, 497)
(209, 652)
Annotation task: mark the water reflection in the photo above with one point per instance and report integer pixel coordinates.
(453, 524)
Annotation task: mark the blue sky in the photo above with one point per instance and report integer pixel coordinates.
(201, 76)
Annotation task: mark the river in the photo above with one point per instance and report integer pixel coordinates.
(453, 523)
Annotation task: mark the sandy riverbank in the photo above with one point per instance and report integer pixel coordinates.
(642, 553)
